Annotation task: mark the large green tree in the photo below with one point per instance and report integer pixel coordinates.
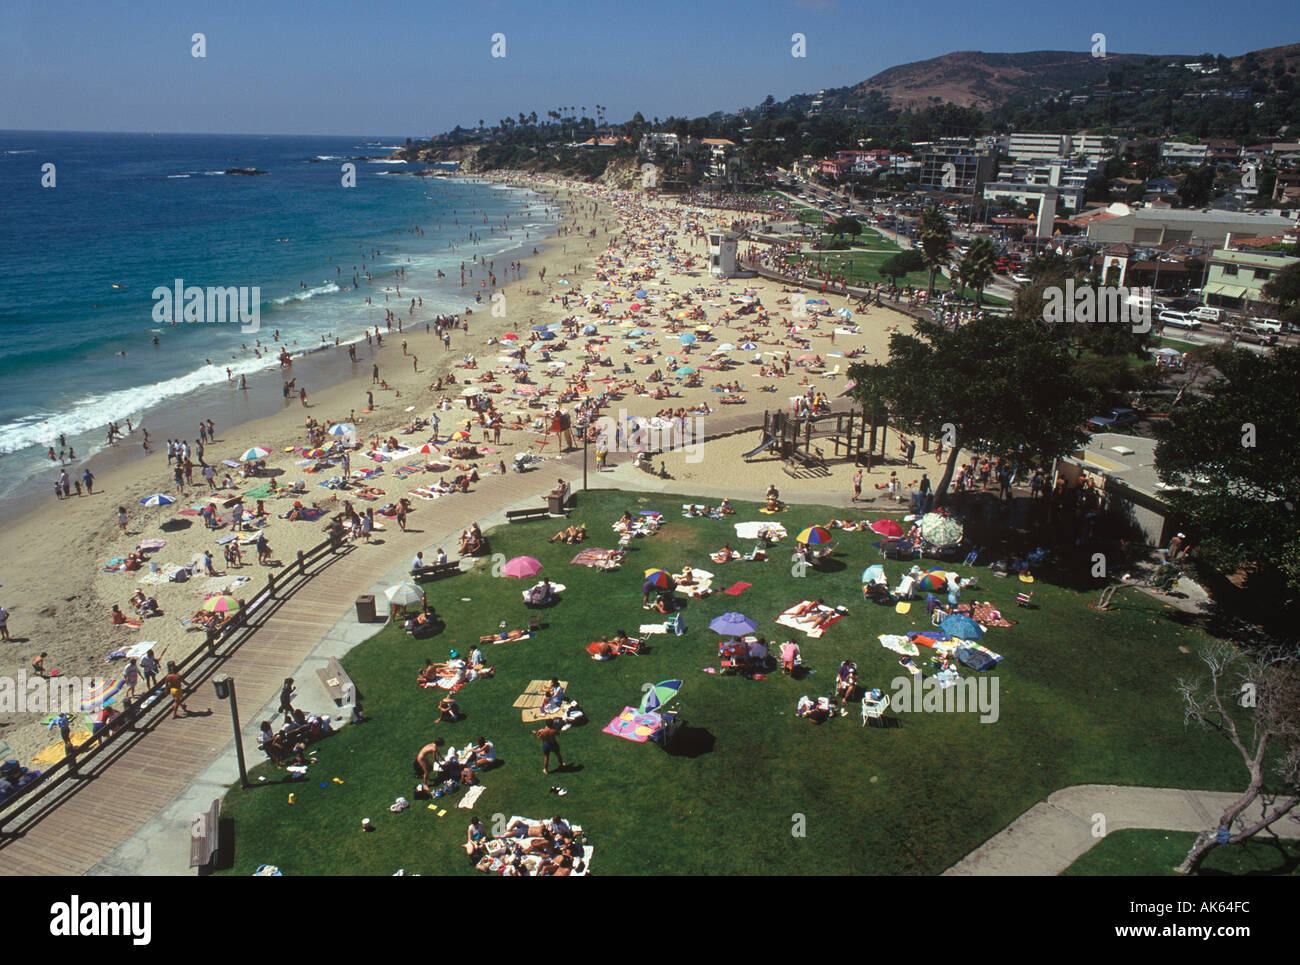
(901, 264)
(999, 383)
(977, 266)
(1234, 454)
(935, 236)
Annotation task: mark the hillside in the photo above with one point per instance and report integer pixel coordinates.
(972, 78)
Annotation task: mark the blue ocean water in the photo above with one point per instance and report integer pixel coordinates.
(129, 213)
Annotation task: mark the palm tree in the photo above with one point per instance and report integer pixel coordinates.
(977, 268)
(936, 238)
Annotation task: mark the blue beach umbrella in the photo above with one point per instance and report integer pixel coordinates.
(686, 338)
(157, 499)
(660, 695)
(733, 625)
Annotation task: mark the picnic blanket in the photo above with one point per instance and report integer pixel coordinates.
(702, 585)
(754, 530)
(788, 619)
(898, 644)
(985, 614)
(737, 588)
(634, 726)
(596, 558)
(472, 795)
(261, 492)
(535, 693)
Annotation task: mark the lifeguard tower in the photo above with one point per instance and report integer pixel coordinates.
(722, 253)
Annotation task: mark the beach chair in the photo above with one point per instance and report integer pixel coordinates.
(1025, 600)
(972, 556)
(874, 709)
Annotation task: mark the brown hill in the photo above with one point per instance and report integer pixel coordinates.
(972, 78)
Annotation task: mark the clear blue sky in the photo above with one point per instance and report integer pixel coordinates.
(420, 66)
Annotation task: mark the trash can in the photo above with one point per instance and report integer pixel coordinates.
(366, 608)
(554, 505)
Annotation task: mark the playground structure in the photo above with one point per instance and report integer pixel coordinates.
(794, 440)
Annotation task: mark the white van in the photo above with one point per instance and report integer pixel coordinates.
(1266, 325)
(1179, 320)
(1207, 314)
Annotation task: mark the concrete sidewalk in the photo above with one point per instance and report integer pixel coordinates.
(1053, 834)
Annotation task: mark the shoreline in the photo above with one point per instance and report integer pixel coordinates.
(325, 366)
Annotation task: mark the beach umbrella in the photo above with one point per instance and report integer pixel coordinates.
(961, 626)
(257, 452)
(814, 536)
(806, 357)
(539, 328)
(546, 336)
(221, 603)
(749, 346)
(589, 330)
(940, 529)
(733, 625)
(873, 574)
(522, 567)
(404, 594)
(472, 391)
(428, 449)
(724, 347)
(342, 429)
(509, 337)
(660, 695)
(634, 307)
(685, 370)
(659, 579)
(843, 313)
(933, 580)
(317, 453)
(887, 527)
(686, 338)
(459, 435)
(157, 499)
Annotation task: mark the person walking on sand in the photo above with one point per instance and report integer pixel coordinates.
(547, 735)
(302, 397)
(857, 485)
(121, 518)
(88, 478)
(4, 624)
(150, 667)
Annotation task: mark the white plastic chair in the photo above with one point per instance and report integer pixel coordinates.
(874, 710)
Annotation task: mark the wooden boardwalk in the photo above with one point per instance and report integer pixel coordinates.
(119, 791)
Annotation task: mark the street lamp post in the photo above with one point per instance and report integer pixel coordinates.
(225, 687)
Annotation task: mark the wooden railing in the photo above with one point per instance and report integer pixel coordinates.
(203, 661)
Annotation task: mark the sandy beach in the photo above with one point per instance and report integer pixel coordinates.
(59, 591)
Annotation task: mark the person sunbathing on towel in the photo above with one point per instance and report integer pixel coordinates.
(601, 650)
(554, 697)
(805, 608)
(724, 554)
(116, 616)
(687, 578)
(565, 535)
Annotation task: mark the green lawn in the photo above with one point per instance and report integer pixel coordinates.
(1144, 852)
(1084, 697)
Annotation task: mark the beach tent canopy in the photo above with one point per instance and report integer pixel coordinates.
(940, 529)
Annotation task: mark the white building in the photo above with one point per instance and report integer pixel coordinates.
(1177, 153)
(722, 253)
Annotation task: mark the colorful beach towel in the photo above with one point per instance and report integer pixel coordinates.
(633, 726)
(737, 588)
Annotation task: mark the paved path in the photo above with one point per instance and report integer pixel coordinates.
(1053, 834)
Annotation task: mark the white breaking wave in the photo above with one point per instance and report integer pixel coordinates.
(306, 293)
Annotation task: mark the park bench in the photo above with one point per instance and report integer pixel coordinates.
(435, 571)
(533, 512)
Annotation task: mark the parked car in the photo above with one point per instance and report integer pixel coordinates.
(1249, 333)
(1020, 278)
(1207, 314)
(1179, 320)
(1267, 324)
(1113, 420)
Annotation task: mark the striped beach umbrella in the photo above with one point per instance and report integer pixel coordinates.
(342, 429)
(933, 580)
(814, 536)
(257, 452)
(404, 594)
(659, 579)
(221, 603)
(157, 499)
